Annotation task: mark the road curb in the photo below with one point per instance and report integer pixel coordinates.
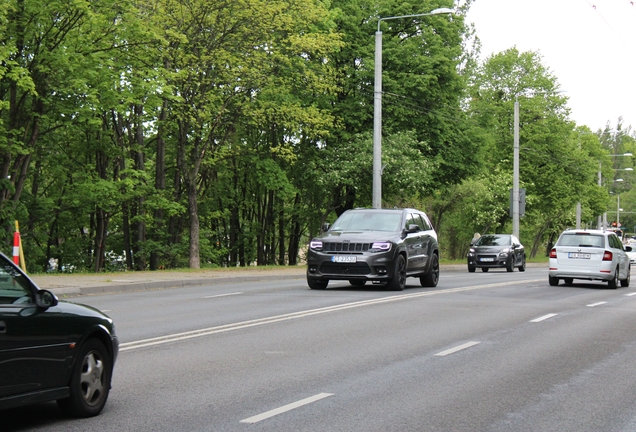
(136, 286)
(155, 285)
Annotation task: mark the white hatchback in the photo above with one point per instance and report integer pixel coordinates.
(590, 255)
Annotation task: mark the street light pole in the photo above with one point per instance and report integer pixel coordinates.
(377, 105)
(600, 184)
(515, 176)
(377, 122)
(603, 224)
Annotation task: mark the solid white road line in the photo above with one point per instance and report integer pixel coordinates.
(544, 317)
(596, 304)
(295, 315)
(457, 348)
(224, 295)
(289, 407)
(631, 294)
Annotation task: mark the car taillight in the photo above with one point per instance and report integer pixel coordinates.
(607, 256)
(553, 253)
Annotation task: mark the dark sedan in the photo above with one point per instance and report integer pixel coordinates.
(52, 350)
(496, 251)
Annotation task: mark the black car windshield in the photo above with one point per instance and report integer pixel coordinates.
(582, 240)
(493, 240)
(368, 221)
(12, 284)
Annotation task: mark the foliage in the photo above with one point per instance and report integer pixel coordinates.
(153, 134)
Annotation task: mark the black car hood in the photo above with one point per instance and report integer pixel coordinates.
(81, 310)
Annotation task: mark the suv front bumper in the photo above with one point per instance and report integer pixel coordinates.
(376, 266)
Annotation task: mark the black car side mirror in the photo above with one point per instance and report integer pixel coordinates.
(325, 227)
(45, 299)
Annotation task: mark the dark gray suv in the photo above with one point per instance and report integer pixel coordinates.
(384, 246)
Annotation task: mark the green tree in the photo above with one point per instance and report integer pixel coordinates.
(555, 168)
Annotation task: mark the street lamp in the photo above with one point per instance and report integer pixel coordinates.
(377, 105)
(603, 224)
(515, 175)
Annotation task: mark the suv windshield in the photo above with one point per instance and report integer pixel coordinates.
(582, 240)
(368, 221)
(493, 240)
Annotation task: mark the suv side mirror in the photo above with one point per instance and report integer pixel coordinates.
(325, 226)
(413, 229)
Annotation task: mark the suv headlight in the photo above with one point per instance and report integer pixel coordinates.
(380, 247)
(315, 245)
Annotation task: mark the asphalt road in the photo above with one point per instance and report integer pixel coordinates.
(492, 351)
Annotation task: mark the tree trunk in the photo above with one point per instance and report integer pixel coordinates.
(101, 228)
(294, 236)
(194, 224)
(270, 230)
(160, 183)
(281, 234)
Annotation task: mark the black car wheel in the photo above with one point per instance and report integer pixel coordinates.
(568, 281)
(471, 269)
(613, 284)
(522, 267)
(484, 269)
(625, 282)
(398, 282)
(432, 277)
(553, 281)
(511, 265)
(90, 381)
(357, 282)
(317, 284)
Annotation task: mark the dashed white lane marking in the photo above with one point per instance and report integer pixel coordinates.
(224, 295)
(631, 294)
(457, 348)
(288, 407)
(296, 315)
(543, 318)
(596, 304)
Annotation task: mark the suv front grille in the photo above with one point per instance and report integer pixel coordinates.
(346, 247)
(360, 268)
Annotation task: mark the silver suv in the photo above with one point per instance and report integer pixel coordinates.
(590, 255)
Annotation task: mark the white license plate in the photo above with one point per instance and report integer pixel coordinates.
(486, 259)
(577, 255)
(343, 258)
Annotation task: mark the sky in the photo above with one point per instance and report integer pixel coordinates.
(588, 45)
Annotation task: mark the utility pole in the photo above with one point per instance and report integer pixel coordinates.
(515, 177)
